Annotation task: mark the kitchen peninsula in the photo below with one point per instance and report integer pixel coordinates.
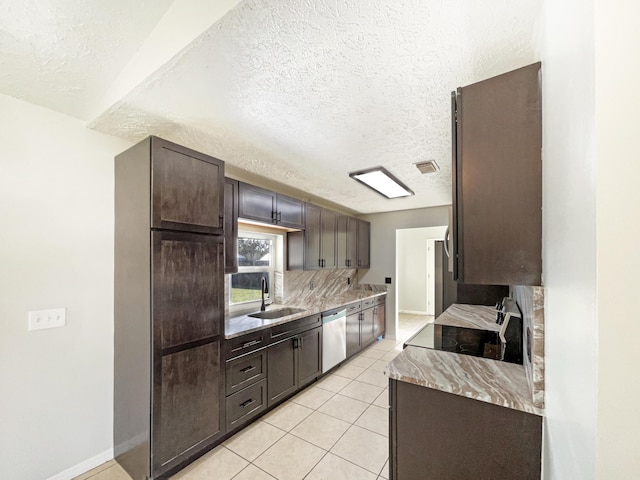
(445, 403)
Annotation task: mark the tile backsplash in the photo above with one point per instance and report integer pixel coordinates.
(299, 285)
(305, 287)
(531, 302)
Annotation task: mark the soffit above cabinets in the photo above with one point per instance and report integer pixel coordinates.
(296, 92)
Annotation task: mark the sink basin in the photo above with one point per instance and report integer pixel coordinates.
(281, 312)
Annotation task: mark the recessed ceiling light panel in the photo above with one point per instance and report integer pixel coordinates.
(380, 180)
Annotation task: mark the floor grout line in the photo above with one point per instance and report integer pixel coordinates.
(402, 335)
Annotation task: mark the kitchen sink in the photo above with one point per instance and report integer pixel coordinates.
(281, 312)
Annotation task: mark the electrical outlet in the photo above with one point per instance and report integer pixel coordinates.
(311, 286)
(41, 319)
(348, 280)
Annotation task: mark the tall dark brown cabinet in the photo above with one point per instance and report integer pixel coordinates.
(497, 180)
(169, 307)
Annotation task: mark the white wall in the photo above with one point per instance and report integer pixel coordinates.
(617, 97)
(56, 208)
(569, 241)
(383, 249)
(412, 262)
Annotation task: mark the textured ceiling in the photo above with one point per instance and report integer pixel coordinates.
(301, 92)
(63, 54)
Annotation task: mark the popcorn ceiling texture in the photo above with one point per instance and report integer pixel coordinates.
(296, 92)
(302, 92)
(64, 54)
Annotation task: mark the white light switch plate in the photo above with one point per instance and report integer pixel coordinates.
(41, 319)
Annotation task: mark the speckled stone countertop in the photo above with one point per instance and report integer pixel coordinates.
(491, 381)
(242, 324)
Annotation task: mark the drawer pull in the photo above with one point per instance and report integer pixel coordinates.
(251, 343)
(247, 369)
(246, 403)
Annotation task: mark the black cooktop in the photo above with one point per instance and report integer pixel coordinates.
(466, 341)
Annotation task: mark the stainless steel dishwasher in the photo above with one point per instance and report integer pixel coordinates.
(334, 338)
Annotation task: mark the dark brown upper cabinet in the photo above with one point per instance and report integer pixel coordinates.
(347, 242)
(364, 242)
(265, 206)
(230, 225)
(320, 238)
(187, 188)
(497, 180)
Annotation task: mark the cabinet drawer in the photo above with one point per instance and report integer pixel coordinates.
(354, 307)
(380, 300)
(246, 404)
(235, 347)
(246, 370)
(296, 326)
(369, 302)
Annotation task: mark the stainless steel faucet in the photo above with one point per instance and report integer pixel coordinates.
(263, 289)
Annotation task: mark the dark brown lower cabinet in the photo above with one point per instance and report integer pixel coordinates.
(309, 356)
(364, 326)
(293, 363)
(281, 365)
(188, 399)
(353, 333)
(438, 435)
(246, 404)
(367, 327)
(379, 319)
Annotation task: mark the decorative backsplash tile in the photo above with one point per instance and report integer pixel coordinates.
(531, 302)
(300, 286)
(295, 286)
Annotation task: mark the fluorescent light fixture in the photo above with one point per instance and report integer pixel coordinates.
(380, 180)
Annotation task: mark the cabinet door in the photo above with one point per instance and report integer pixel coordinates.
(329, 224)
(230, 226)
(379, 319)
(256, 203)
(364, 240)
(281, 370)
(312, 258)
(188, 404)
(353, 333)
(498, 180)
(188, 287)
(187, 189)
(367, 327)
(347, 246)
(290, 212)
(341, 242)
(444, 424)
(309, 356)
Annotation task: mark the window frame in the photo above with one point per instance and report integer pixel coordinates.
(270, 269)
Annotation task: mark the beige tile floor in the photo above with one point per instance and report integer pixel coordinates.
(336, 429)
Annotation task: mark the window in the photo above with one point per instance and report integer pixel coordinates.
(255, 262)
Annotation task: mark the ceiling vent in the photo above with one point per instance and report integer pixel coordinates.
(429, 166)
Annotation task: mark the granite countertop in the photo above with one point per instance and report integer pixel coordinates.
(469, 316)
(238, 325)
(491, 381)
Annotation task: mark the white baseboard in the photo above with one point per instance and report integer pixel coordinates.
(412, 312)
(85, 466)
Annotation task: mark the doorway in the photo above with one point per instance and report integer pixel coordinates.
(415, 271)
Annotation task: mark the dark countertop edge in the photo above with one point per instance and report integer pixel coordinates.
(310, 310)
(525, 405)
